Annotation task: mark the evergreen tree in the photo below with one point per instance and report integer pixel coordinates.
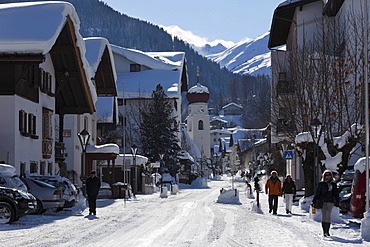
(158, 132)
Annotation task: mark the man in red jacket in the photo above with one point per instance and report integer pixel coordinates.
(273, 190)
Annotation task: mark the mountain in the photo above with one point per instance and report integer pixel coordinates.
(199, 44)
(247, 57)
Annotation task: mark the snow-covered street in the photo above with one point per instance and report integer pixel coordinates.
(190, 218)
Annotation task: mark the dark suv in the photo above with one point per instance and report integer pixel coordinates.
(14, 204)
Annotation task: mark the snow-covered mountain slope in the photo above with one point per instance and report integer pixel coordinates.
(246, 57)
(250, 56)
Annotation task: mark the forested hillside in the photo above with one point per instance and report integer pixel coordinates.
(98, 19)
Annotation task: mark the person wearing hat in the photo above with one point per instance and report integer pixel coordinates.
(326, 197)
(273, 190)
(92, 191)
(289, 190)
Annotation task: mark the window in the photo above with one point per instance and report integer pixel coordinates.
(42, 167)
(31, 125)
(33, 167)
(134, 67)
(22, 172)
(50, 168)
(200, 125)
(47, 128)
(120, 102)
(23, 122)
(45, 85)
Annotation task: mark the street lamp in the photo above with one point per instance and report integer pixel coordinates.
(161, 168)
(316, 129)
(84, 137)
(134, 150)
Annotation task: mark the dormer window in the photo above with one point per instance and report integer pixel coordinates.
(134, 67)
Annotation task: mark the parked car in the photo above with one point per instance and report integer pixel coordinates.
(15, 204)
(9, 178)
(345, 197)
(70, 193)
(47, 195)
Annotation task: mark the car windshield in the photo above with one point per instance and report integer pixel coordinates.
(18, 183)
(42, 184)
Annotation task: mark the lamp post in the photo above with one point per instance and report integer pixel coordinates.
(134, 177)
(161, 168)
(84, 137)
(316, 129)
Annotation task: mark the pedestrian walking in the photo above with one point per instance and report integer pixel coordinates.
(92, 191)
(288, 190)
(273, 190)
(326, 196)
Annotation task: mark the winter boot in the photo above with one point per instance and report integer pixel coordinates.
(323, 224)
(327, 229)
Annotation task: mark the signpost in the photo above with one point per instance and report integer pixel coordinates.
(288, 155)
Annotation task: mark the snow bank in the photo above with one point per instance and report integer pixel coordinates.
(365, 227)
(229, 196)
(305, 205)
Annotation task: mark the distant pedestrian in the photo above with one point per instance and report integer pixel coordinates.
(257, 183)
(273, 190)
(288, 190)
(326, 196)
(92, 191)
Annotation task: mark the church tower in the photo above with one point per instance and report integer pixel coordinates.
(198, 126)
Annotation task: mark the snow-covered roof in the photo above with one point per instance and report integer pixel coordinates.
(185, 156)
(198, 88)
(217, 118)
(140, 159)
(153, 60)
(33, 28)
(142, 84)
(232, 104)
(106, 148)
(360, 165)
(95, 47)
(240, 133)
(221, 131)
(163, 68)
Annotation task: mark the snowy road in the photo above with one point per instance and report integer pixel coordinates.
(190, 218)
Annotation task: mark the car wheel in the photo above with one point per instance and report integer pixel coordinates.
(39, 208)
(7, 213)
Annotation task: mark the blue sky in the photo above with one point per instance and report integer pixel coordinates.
(232, 20)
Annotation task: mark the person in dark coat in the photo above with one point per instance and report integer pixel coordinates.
(326, 196)
(289, 190)
(92, 191)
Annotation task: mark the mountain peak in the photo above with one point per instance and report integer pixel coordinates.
(248, 56)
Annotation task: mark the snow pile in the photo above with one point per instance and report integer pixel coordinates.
(174, 189)
(255, 208)
(164, 192)
(365, 226)
(229, 196)
(200, 183)
(305, 205)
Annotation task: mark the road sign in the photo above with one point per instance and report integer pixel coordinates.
(288, 154)
(155, 164)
